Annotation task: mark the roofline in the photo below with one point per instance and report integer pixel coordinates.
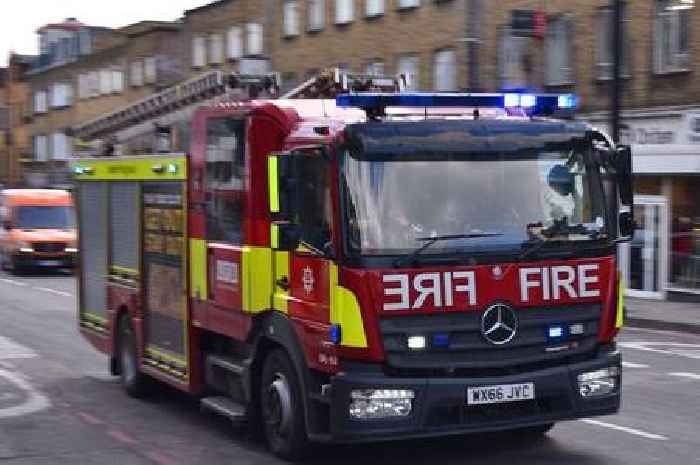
(149, 27)
(206, 7)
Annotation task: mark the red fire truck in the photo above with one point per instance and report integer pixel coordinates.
(352, 265)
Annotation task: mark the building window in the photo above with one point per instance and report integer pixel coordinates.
(216, 49)
(93, 84)
(514, 61)
(150, 70)
(408, 67)
(375, 68)
(374, 8)
(41, 148)
(291, 18)
(685, 233)
(445, 70)
(317, 15)
(559, 51)
(40, 101)
(344, 11)
(136, 73)
(409, 4)
(199, 51)
(61, 95)
(604, 51)
(117, 80)
(672, 35)
(234, 47)
(254, 38)
(60, 146)
(85, 41)
(83, 86)
(105, 81)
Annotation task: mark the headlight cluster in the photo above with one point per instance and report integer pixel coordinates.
(599, 382)
(25, 247)
(371, 404)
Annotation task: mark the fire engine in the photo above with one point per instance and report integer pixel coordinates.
(354, 262)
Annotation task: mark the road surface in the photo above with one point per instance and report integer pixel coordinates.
(58, 405)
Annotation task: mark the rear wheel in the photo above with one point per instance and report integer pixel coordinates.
(282, 408)
(136, 384)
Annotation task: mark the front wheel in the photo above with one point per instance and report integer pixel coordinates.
(282, 407)
(135, 383)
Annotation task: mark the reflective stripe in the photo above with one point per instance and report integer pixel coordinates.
(273, 183)
(256, 280)
(153, 168)
(274, 236)
(345, 312)
(620, 316)
(281, 296)
(198, 269)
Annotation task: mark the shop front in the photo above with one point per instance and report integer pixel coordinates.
(663, 260)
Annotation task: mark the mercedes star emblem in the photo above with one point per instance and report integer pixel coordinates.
(499, 324)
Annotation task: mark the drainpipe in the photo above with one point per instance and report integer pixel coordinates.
(473, 42)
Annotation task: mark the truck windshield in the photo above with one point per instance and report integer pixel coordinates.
(498, 202)
(45, 217)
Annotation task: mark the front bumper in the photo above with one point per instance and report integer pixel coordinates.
(439, 407)
(31, 260)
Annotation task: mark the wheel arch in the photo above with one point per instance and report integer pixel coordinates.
(272, 331)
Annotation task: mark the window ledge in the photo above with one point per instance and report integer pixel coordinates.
(373, 16)
(290, 36)
(407, 7)
(344, 23)
(315, 30)
(560, 84)
(672, 72)
(605, 80)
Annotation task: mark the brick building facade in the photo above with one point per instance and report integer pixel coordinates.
(444, 45)
(15, 104)
(145, 58)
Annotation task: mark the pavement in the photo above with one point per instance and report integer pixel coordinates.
(59, 405)
(663, 315)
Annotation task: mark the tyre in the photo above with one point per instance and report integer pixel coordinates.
(282, 407)
(135, 383)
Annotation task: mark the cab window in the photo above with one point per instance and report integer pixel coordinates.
(314, 213)
(225, 179)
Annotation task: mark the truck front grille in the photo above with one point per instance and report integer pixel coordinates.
(469, 353)
(49, 247)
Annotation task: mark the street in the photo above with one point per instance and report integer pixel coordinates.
(59, 405)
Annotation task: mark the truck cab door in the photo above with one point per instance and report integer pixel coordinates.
(310, 263)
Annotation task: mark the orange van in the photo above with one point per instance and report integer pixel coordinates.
(38, 229)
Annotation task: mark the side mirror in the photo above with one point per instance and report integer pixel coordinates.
(285, 236)
(623, 169)
(627, 226)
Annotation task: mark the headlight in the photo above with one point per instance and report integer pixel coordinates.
(370, 404)
(599, 382)
(71, 249)
(25, 247)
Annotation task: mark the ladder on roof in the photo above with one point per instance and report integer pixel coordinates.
(332, 82)
(217, 86)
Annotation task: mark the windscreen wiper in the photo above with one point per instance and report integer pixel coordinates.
(562, 227)
(429, 241)
(558, 228)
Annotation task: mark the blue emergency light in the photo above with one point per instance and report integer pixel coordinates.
(535, 104)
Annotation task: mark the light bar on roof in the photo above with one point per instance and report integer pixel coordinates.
(540, 104)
